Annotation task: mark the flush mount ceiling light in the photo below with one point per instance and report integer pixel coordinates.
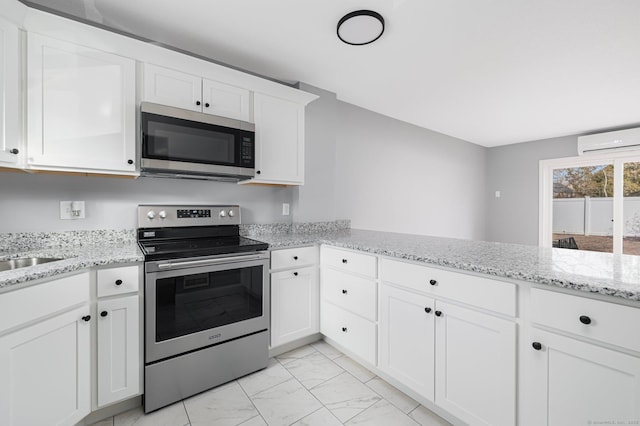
(360, 27)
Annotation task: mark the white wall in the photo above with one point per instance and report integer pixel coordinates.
(31, 203)
(315, 201)
(513, 170)
(397, 177)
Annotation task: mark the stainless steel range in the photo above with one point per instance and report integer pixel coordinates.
(206, 300)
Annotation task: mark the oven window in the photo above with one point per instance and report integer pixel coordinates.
(192, 303)
(172, 139)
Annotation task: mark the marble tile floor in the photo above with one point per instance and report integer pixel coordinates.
(311, 385)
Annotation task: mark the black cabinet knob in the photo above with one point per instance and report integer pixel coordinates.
(258, 172)
(433, 282)
(206, 105)
(537, 345)
(295, 257)
(198, 103)
(585, 319)
(14, 151)
(118, 282)
(438, 313)
(295, 273)
(86, 318)
(344, 329)
(427, 310)
(344, 291)
(344, 260)
(129, 161)
(104, 314)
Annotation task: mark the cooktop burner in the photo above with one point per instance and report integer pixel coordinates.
(171, 232)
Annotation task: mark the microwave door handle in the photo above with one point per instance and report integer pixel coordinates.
(205, 262)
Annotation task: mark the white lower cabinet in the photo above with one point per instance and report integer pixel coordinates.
(45, 371)
(294, 304)
(462, 360)
(118, 349)
(578, 383)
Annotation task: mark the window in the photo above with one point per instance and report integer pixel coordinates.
(591, 203)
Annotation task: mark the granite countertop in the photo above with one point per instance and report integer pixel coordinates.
(78, 250)
(613, 275)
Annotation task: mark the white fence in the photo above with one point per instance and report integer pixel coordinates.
(593, 216)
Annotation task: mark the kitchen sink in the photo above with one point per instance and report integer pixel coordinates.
(6, 265)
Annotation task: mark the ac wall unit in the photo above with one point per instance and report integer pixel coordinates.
(601, 143)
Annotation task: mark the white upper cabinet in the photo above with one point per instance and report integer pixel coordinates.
(10, 147)
(279, 141)
(81, 108)
(174, 88)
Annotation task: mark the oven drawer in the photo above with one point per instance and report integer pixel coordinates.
(293, 257)
(351, 292)
(350, 331)
(349, 261)
(595, 319)
(121, 280)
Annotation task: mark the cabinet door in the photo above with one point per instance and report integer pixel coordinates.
(578, 383)
(44, 372)
(118, 349)
(81, 107)
(168, 87)
(279, 140)
(407, 338)
(227, 101)
(294, 305)
(9, 95)
(475, 366)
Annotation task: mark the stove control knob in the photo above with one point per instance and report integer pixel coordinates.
(162, 214)
(232, 213)
(151, 215)
(223, 213)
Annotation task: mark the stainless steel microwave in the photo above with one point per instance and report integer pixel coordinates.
(187, 144)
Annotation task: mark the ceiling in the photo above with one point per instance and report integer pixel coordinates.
(491, 72)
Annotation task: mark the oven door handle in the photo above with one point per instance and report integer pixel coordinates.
(205, 262)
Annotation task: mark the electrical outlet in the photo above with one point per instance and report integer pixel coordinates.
(498, 194)
(72, 210)
(285, 209)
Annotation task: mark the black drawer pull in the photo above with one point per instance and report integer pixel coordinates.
(433, 282)
(427, 310)
(344, 329)
(344, 260)
(295, 274)
(295, 257)
(104, 314)
(537, 345)
(344, 291)
(438, 313)
(118, 282)
(86, 318)
(585, 319)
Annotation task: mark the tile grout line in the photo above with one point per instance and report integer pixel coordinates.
(186, 411)
(254, 405)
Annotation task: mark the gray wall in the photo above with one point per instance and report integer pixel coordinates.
(394, 176)
(513, 170)
(31, 203)
(315, 201)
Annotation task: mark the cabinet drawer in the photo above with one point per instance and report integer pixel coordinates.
(293, 258)
(497, 296)
(118, 280)
(351, 292)
(606, 322)
(28, 304)
(352, 332)
(350, 261)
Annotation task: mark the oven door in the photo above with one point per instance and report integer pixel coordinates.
(198, 302)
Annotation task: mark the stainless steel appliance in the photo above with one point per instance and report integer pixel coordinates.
(181, 143)
(206, 300)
